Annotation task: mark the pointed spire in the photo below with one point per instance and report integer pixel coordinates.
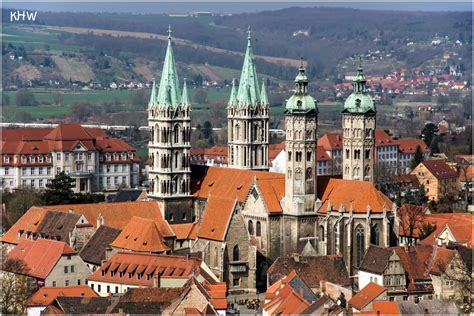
(233, 95)
(168, 91)
(152, 101)
(359, 83)
(248, 83)
(184, 98)
(263, 94)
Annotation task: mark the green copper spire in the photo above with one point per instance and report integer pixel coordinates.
(152, 101)
(184, 98)
(248, 94)
(359, 101)
(233, 95)
(301, 101)
(263, 94)
(168, 92)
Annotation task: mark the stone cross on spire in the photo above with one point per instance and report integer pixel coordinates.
(249, 34)
(169, 31)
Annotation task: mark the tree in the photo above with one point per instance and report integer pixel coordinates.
(16, 286)
(59, 190)
(58, 98)
(465, 177)
(425, 229)
(207, 130)
(80, 111)
(20, 201)
(24, 97)
(5, 99)
(417, 158)
(434, 146)
(411, 217)
(428, 132)
(200, 96)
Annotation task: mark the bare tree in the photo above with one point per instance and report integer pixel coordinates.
(16, 286)
(463, 167)
(411, 217)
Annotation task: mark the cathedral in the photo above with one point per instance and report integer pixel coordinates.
(248, 216)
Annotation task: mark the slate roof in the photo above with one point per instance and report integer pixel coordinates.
(58, 225)
(46, 295)
(129, 195)
(84, 305)
(40, 255)
(433, 307)
(368, 294)
(94, 251)
(312, 270)
(375, 259)
(147, 300)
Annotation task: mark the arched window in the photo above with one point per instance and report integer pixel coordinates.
(360, 245)
(375, 235)
(251, 228)
(321, 233)
(334, 240)
(216, 257)
(236, 253)
(259, 229)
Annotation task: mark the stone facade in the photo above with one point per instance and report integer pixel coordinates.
(69, 270)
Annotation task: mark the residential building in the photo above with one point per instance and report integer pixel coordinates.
(45, 296)
(248, 112)
(94, 252)
(126, 270)
(214, 156)
(362, 301)
(407, 148)
(50, 262)
(186, 236)
(290, 295)
(438, 178)
(32, 157)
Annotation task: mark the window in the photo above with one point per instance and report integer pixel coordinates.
(236, 282)
(78, 282)
(258, 229)
(23, 171)
(99, 288)
(308, 156)
(108, 288)
(66, 156)
(69, 257)
(72, 269)
(375, 235)
(66, 269)
(116, 167)
(40, 170)
(54, 283)
(23, 159)
(7, 171)
(289, 155)
(124, 156)
(6, 159)
(48, 170)
(183, 217)
(251, 231)
(89, 156)
(32, 171)
(40, 183)
(360, 244)
(236, 253)
(116, 156)
(298, 155)
(40, 158)
(116, 289)
(66, 282)
(58, 170)
(48, 158)
(170, 217)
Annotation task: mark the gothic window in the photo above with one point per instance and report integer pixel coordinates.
(367, 153)
(321, 233)
(375, 235)
(298, 156)
(308, 156)
(347, 153)
(289, 155)
(251, 228)
(342, 246)
(236, 253)
(360, 245)
(259, 229)
(309, 174)
(176, 134)
(367, 172)
(289, 173)
(357, 154)
(334, 241)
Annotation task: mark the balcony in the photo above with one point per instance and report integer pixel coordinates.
(238, 266)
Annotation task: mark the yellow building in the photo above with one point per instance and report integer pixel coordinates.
(438, 178)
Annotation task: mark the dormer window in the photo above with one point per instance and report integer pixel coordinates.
(103, 272)
(23, 159)
(139, 275)
(130, 155)
(107, 157)
(40, 158)
(48, 158)
(6, 159)
(124, 156)
(116, 156)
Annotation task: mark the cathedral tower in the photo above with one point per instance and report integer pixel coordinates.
(169, 123)
(247, 119)
(358, 124)
(301, 124)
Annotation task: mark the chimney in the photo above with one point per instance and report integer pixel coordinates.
(426, 312)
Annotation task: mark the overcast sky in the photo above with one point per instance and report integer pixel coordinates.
(228, 6)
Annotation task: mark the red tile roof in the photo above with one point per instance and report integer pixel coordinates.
(272, 190)
(459, 224)
(216, 218)
(141, 235)
(218, 295)
(29, 222)
(358, 195)
(322, 155)
(383, 139)
(408, 145)
(331, 141)
(384, 308)
(186, 231)
(365, 296)
(440, 169)
(40, 256)
(46, 295)
(146, 264)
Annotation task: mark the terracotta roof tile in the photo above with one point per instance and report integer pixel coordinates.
(331, 141)
(217, 293)
(408, 145)
(358, 195)
(459, 225)
(40, 256)
(153, 264)
(216, 218)
(375, 259)
(322, 155)
(365, 296)
(141, 235)
(29, 222)
(273, 191)
(46, 295)
(385, 308)
(186, 231)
